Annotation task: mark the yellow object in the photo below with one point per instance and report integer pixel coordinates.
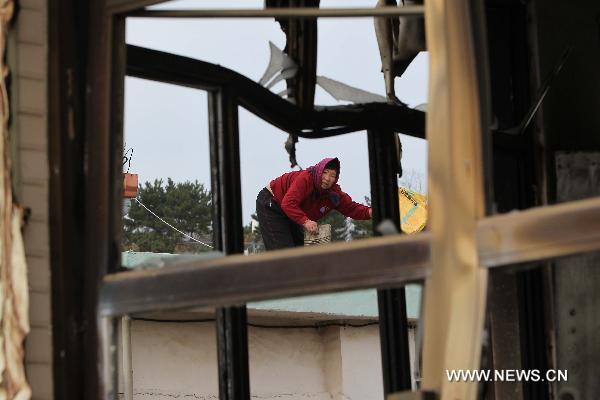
(413, 210)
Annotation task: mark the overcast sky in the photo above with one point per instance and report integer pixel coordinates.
(167, 125)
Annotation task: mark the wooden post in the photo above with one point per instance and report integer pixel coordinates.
(455, 292)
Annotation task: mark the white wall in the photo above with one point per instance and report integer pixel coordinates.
(179, 359)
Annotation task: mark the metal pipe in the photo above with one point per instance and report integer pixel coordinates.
(291, 12)
(127, 357)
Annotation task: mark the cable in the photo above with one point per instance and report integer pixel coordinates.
(171, 226)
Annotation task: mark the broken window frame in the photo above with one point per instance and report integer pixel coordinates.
(534, 234)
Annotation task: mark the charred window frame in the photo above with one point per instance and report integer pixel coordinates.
(224, 150)
(94, 153)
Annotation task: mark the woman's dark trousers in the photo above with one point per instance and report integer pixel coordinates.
(278, 231)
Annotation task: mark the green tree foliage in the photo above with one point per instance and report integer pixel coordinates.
(339, 226)
(185, 205)
(253, 239)
(364, 228)
(337, 222)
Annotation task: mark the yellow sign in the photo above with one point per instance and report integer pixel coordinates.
(413, 210)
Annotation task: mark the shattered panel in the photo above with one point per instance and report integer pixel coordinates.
(13, 271)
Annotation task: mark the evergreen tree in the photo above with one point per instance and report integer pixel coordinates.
(364, 228)
(253, 238)
(413, 180)
(340, 225)
(348, 230)
(337, 222)
(185, 205)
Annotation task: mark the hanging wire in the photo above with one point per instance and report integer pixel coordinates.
(171, 226)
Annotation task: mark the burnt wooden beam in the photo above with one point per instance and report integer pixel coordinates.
(316, 123)
(100, 170)
(365, 116)
(393, 319)
(301, 46)
(506, 239)
(231, 324)
(237, 279)
(67, 55)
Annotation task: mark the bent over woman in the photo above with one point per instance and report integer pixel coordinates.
(296, 200)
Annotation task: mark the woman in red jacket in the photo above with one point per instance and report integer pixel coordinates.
(296, 200)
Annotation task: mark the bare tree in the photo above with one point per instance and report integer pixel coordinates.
(413, 180)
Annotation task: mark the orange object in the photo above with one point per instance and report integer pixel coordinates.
(130, 185)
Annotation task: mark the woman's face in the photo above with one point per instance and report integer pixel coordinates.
(328, 178)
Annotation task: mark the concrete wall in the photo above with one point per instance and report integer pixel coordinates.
(29, 45)
(179, 359)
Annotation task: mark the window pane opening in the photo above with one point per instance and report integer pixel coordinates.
(167, 216)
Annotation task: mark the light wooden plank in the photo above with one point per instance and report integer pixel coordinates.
(540, 233)
(455, 292)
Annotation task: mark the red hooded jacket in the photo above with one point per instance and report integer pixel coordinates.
(300, 196)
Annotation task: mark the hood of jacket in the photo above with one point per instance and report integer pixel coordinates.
(316, 172)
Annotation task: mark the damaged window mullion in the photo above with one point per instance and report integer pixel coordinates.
(231, 324)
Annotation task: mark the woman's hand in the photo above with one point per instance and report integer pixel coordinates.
(311, 227)
(370, 213)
